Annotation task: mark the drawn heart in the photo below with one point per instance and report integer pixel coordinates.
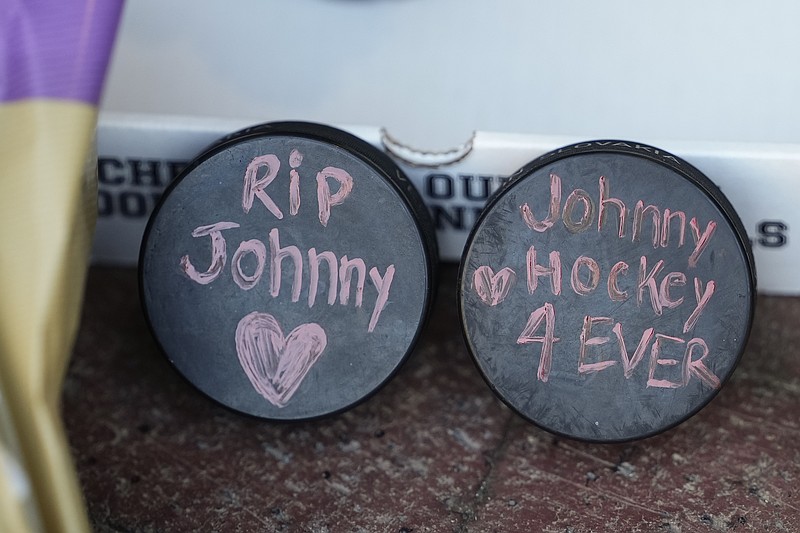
(493, 288)
(274, 364)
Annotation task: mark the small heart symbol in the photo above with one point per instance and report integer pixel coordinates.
(493, 288)
(276, 365)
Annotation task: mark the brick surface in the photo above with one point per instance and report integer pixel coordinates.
(432, 451)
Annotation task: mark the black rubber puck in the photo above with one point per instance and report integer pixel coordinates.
(288, 271)
(607, 291)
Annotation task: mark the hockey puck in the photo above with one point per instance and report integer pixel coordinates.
(606, 292)
(288, 270)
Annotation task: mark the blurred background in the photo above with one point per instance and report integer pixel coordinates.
(432, 71)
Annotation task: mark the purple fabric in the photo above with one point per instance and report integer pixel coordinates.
(55, 48)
